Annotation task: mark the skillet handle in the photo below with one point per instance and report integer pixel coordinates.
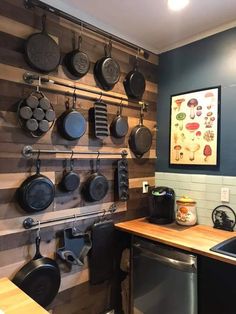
(37, 243)
(97, 165)
(38, 165)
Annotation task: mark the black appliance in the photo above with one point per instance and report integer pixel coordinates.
(161, 205)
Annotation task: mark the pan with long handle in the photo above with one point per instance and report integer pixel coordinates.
(140, 140)
(40, 278)
(77, 61)
(41, 51)
(119, 126)
(37, 192)
(134, 83)
(107, 70)
(96, 186)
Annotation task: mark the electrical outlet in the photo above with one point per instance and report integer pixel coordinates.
(224, 195)
(145, 187)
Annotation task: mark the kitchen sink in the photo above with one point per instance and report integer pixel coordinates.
(227, 247)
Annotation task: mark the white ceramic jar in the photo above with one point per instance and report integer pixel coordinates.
(186, 211)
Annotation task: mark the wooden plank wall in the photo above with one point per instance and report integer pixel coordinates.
(17, 244)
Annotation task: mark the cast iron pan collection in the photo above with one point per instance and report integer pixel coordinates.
(40, 278)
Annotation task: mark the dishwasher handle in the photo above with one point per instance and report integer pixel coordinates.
(173, 263)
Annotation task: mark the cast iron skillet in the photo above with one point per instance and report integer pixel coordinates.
(119, 126)
(71, 124)
(77, 61)
(140, 140)
(107, 70)
(134, 83)
(96, 186)
(70, 180)
(41, 51)
(40, 278)
(37, 192)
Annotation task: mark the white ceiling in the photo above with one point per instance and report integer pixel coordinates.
(149, 24)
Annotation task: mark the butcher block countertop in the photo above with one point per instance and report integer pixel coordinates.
(196, 239)
(14, 301)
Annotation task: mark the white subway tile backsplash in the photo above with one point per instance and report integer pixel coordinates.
(197, 186)
(229, 181)
(198, 178)
(214, 179)
(205, 189)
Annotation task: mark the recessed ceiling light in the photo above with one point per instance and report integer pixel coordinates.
(177, 5)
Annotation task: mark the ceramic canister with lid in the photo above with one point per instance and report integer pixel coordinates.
(186, 211)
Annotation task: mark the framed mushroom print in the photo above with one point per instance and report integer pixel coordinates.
(194, 127)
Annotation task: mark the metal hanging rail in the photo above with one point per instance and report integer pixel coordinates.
(36, 3)
(30, 78)
(29, 222)
(28, 151)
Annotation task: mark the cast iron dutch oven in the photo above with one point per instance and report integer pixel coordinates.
(70, 180)
(40, 278)
(134, 83)
(96, 186)
(37, 192)
(107, 70)
(119, 126)
(41, 51)
(77, 61)
(140, 140)
(71, 124)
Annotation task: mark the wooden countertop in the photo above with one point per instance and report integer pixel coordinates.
(196, 239)
(14, 301)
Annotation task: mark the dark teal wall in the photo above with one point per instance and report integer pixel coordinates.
(205, 63)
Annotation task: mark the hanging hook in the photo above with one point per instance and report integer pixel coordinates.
(72, 154)
(100, 97)
(38, 155)
(98, 154)
(74, 223)
(39, 84)
(39, 229)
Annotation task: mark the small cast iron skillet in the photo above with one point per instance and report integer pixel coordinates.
(134, 83)
(119, 126)
(96, 186)
(77, 61)
(40, 278)
(140, 140)
(37, 192)
(71, 124)
(107, 70)
(70, 180)
(41, 51)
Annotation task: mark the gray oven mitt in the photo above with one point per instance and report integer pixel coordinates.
(76, 247)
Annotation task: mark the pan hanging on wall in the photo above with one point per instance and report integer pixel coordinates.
(41, 51)
(35, 114)
(40, 278)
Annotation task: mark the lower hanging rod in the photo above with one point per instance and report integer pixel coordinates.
(30, 78)
(28, 151)
(29, 222)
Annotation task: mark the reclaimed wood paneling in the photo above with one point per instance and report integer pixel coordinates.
(17, 244)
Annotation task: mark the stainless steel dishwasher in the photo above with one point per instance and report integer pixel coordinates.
(164, 279)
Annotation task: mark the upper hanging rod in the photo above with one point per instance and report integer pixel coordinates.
(28, 151)
(90, 27)
(30, 78)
